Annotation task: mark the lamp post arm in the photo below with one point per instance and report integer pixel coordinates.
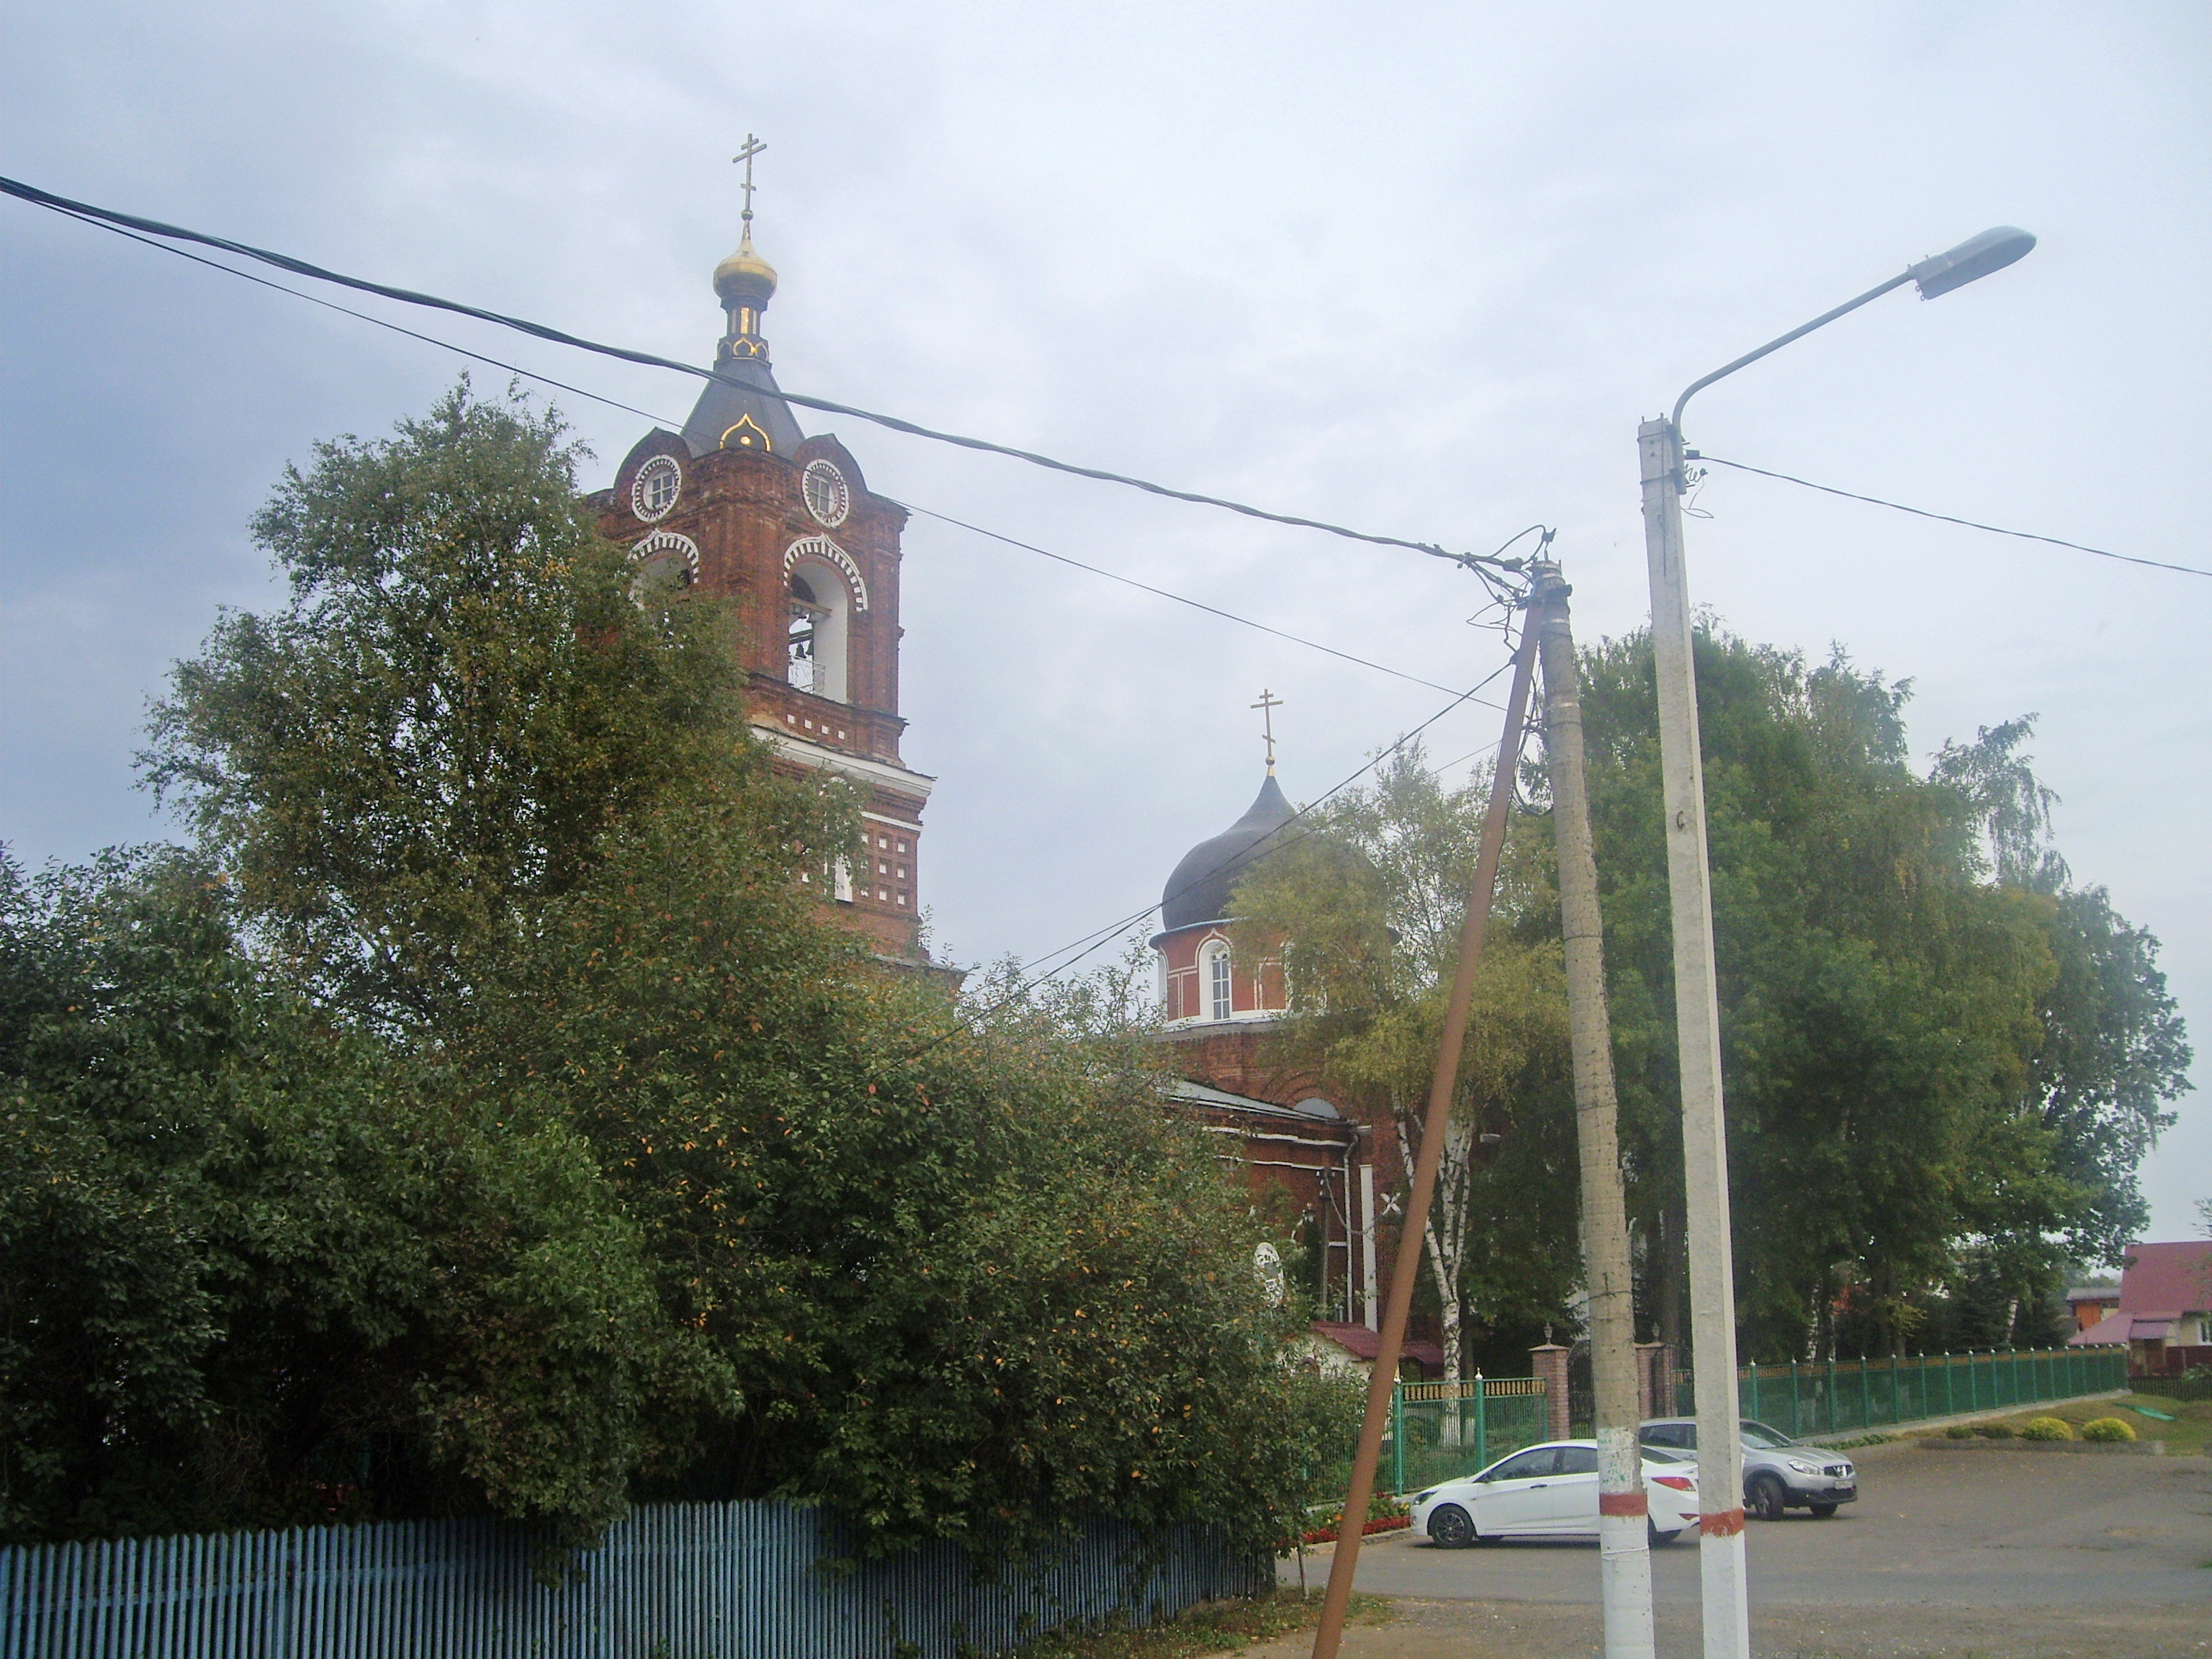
(1821, 321)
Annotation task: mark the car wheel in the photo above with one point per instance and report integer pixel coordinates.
(1661, 1539)
(1769, 1498)
(1452, 1527)
(1823, 1511)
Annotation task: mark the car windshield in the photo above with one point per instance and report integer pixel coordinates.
(1759, 1438)
(1666, 1454)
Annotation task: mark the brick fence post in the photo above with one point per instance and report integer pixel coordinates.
(1655, 1380)
(1550, 1362)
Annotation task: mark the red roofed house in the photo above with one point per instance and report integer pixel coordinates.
(2164, 1313)
(1339, 1347)
(2089, 1303)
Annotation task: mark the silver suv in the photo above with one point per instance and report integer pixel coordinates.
(1778, 1474)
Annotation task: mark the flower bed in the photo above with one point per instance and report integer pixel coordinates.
(1379, 1523)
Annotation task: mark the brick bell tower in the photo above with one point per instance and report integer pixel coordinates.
(744, 505)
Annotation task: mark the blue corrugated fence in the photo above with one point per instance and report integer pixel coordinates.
(672, 1581)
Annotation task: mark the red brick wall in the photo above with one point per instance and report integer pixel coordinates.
(743, 508)
(1248, 1060)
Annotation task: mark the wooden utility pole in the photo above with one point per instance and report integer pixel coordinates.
(1442, 1083)
(1623, 1523)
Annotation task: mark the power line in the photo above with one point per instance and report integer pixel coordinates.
(1944, 518)
(1087, 944)
(129, 226)
(366, 316)
(662, 419)
(108, 218)
(1195, 605)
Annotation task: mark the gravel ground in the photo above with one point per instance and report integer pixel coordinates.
(1990, 1554)
(1539, 1630)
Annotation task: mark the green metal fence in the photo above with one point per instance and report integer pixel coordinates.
(1846, 1396)
(1440, 1429)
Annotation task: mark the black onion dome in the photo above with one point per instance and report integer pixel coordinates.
(1199, 890)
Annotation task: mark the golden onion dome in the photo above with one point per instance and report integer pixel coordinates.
(745, 279)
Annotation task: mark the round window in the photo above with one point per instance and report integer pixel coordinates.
(827, 497)
(654, 489)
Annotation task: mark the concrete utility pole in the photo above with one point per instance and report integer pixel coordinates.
(1697, 995)
(1623, 1513)
(1443, 1083)
(1726, 1605)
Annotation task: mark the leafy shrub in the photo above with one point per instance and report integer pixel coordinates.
(2046, 1428)
(1994, 1431)
(2108, 1429)
(1958, 1431)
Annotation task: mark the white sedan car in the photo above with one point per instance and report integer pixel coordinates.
(1551, 1491)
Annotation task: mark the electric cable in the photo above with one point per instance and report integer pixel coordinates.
(1944, 518)
(664, 420)
(131, 226)
(109, 218)
(1195, 605)
(1092, 941)
(366, 316)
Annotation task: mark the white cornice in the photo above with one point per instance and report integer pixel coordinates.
(859, 767)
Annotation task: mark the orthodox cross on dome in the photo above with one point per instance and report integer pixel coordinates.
(753, 147)
(1268, 703)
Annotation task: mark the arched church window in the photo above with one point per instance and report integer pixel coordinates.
(666, 563)
(807, 616)
(1220, 999)
(820, 606)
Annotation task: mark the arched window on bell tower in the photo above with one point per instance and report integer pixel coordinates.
(820, 609)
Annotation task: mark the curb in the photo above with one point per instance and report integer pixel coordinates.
(1902, 1435)
(2079, 1447)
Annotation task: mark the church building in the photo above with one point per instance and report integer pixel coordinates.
(1223, 1013)
(744, 505)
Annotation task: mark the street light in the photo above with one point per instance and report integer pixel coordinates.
(1697, 1005)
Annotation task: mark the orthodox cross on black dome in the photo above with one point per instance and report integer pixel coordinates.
(1268, 703)
(753, 147)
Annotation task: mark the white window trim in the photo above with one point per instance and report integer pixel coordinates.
(1217, 984)
(828, 552)
(667, 541)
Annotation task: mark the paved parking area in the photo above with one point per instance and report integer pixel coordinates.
(1994, 1552)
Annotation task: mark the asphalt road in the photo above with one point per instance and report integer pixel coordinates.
(1995, 1529)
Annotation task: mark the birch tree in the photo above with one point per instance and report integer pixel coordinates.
(1371, 908)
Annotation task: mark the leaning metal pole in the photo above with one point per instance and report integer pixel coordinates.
(1442, 1085)
(1727, 1611)
(1624, 1525)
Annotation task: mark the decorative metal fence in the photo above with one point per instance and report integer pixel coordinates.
(1440, 1429)
(1847, 1395)
(671, 1580)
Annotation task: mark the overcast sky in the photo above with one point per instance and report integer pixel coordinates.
(1418, 268)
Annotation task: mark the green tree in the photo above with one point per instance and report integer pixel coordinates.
(252, 1258)
(1909, 1097)
(461, 699)
(1370, 900)
(1944, 1062)
(496, 807)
